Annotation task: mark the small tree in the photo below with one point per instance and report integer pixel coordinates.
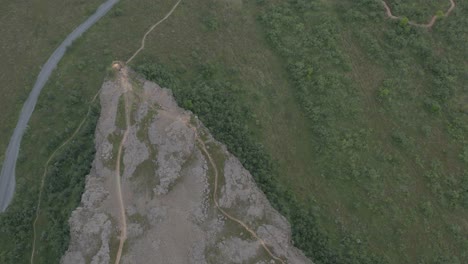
(404, 22)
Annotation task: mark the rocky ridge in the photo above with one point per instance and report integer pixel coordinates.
(167, 187)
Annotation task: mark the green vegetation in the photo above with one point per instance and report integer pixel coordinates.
(144, 178)
(61, 107)
(369, 87)
(217, 102)
(30, 33)
(64, 185)
(375, 93)
(120, 122)
(62, 193)
(353, 124)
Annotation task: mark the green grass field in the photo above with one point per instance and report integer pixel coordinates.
(354, 125)
(30, 33)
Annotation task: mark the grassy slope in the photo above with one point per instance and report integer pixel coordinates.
(60, 109)
(30, 31)
(423, 120)
(228, 36)
(391, 165)
(390, 169)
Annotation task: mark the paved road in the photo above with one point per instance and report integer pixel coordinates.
(7, 175)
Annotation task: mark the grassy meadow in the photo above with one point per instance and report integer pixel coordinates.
(31, 30)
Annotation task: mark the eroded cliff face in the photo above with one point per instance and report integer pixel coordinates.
(186, 199)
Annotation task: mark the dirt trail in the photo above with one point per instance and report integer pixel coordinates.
(127, 90)
(178, 208)
(151, 29)
(215, 195)
(215, 200)
(46, 169)
(427, 25)
(127, 86)
(123, 219)
(215, 188)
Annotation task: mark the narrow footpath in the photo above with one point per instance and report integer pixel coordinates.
(206, 153)
(46, 170)
(428, 24)
(232, 218)
(123, 76)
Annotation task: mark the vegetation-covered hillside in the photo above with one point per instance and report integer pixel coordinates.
(354, 124)
(386, 104)
(384, 161)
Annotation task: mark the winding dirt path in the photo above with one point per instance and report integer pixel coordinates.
(143, 40)
(127, 93)
(124, 79)
(215, 200)
(215, 188)
(123, 218)
(46, 169)
(428, 24)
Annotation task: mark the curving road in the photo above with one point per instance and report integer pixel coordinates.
(7, 175)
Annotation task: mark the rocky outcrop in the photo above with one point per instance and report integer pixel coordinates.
(167, 186)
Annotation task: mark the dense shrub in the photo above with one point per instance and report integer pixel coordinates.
(64, 184)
